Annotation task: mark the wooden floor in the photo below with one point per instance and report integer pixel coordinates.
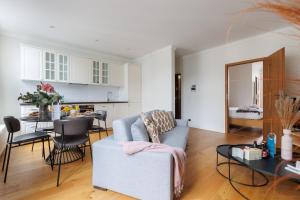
(30, 178)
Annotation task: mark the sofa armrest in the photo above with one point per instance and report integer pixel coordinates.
(181, 122)
(144, 175)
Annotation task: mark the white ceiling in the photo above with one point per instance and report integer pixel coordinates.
(133, 28)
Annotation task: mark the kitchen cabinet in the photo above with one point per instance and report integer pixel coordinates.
(95, 72)
(56, 66)
(117, 74)
(49, 66)
(134, 82)
(31, 63)
(63, 68)
(80, 70)
(120, 110)
(134, 109)
(105, 75)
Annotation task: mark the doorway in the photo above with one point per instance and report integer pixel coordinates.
(245, 98)
(273, 82)
(178, 96)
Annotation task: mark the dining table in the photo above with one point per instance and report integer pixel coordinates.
(69, 154)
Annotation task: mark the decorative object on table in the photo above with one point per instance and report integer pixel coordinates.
(264, 150)
(238, 152)
(271, 144)
(288, 111)
(298, 164)
(56, 112)
(44, 96)
(252, 153)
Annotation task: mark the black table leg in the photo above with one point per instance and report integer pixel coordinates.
(43, 151)
(252, 177)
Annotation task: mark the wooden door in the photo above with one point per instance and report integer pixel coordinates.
(178, 96)
(274, 77)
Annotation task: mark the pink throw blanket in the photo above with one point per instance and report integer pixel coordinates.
(178, 154)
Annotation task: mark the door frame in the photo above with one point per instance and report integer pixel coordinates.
(227, 66)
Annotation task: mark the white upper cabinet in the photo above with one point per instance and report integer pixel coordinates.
(57, 66)
(105, 73)
(80, 70)
(49, 66)
(95, 72)
(31, 63)
(63, 68)
(117, 74)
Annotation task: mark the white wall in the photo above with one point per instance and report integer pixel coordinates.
(158, 69)
(206, 106)
(11, 85)
(240, 85)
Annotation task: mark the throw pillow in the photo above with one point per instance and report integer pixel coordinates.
(139, 131)
(162, 121)
(172, 118)
(151, 127)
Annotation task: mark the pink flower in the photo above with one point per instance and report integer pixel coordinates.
(47, 87)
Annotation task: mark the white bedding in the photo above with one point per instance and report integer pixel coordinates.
(244, 115)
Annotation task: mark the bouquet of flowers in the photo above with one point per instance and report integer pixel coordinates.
(44, 95)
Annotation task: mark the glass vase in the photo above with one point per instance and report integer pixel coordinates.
(43, 113)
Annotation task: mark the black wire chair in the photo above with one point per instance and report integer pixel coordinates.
(73, 134)
(13, 125)
(100, 115)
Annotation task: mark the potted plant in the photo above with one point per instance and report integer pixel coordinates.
(288, 111)
(44, 96)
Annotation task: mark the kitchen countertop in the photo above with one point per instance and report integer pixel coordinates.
(80, 102)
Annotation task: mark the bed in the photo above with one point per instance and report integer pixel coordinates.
(250, 116)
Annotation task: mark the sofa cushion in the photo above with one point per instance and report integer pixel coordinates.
(172, 118)
(122, 128)
(177, 137)
(162, 121)
(139, 131)
(151, 128)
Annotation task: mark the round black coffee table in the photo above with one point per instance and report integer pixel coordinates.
(270, 166)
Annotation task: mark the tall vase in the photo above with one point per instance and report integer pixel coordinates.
(286, 145)
(43, 113)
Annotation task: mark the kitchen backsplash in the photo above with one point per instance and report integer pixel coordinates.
(75, 92)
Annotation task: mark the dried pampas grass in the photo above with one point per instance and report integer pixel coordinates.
(289, 10)
(288, 110)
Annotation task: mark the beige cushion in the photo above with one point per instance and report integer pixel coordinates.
(151, 127)
(171, 116)
(162, 121)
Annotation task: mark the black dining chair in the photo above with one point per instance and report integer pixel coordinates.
(100, 115)
(13, 125)
(73, 134)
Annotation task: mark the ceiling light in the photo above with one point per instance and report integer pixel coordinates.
(51, 26)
